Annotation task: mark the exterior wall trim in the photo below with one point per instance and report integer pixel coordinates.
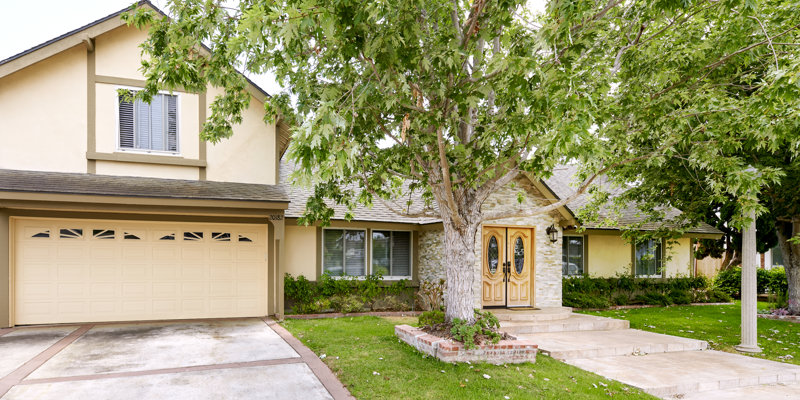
(5, 270)
(145, 159)
(91, 105)
(20, 198)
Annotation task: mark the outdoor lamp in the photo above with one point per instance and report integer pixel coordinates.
(552, 232)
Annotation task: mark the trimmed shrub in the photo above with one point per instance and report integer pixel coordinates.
(678, 296)
(582, 300)
(621, 300)
(653, 299)
(347, 303)
(431, 318)
(313, 307)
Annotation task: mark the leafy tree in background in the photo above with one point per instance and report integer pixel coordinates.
(455, 99)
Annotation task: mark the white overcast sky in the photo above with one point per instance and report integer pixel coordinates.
(27, 23)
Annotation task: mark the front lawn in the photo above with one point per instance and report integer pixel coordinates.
(718, 325)
(374, 364)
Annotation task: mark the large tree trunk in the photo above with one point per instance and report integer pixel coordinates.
(791, 261)
(459, 247)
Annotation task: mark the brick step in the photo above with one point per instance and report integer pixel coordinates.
(575, 322)
(676, 374)
(542, 314)
(592, 344)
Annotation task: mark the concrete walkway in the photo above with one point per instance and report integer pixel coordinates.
(662, 365)
(202, 359)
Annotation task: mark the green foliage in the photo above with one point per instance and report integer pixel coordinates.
(680, 297)
(346, 293)
(583, 300)
(431, 318)
(347, 303)
(599, 293)
(316, 306)
(670, 95)
(301, 290)
(484, 326)
(767, 281)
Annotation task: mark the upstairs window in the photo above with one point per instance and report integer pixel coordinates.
(149, 127)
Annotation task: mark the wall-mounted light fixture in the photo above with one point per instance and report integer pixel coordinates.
(552, 233)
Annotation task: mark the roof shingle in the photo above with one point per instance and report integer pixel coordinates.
(105, 185)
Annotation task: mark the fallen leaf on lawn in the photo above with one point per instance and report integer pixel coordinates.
(485, 376)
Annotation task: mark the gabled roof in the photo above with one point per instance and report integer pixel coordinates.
(379, 212)
(564, 175)
(93, 29)
(129, 186)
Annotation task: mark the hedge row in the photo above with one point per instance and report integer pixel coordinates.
(588, 292)
(346, 294)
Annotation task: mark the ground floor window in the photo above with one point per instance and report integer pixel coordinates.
(344, 252)
(391, 253)
(572, 261)
(648, 259)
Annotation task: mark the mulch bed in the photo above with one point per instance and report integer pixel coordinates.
(361, 314)
(443, 331)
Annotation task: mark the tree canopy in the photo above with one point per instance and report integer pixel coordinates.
(455, 99)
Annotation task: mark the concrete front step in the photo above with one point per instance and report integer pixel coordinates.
(542, 314)
(575, 322)
(680, 373)
(591, 344)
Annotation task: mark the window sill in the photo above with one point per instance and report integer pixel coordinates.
(164, 159)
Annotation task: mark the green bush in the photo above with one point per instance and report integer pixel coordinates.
(621, 300)
(313, 307)
(653, 299)
(430, 318)
(486, 325)
(582, 300)
(347, 303)
(390, 302)
(300, 290)
(767, 281)
(678, 296)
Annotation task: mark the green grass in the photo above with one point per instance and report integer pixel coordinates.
(718, 325)
(359, 347)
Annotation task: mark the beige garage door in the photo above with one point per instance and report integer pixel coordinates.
(92, 270)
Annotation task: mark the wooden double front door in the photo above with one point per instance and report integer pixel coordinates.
(507, 276)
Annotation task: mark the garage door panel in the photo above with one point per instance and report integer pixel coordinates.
(84, 271)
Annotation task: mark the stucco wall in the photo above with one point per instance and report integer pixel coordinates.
(610, 255)
(117, 52)
(301, 250)
(249, 155)
(43, 115)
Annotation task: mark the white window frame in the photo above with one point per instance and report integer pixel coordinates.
(583, 256)
(660, 255)
(410, 254)
(178, 127)
(367, 254)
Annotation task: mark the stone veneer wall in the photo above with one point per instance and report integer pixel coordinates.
(547, 256)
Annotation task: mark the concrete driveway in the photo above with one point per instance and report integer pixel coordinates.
(208, 359)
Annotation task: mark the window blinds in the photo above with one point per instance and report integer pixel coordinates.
(151, 126)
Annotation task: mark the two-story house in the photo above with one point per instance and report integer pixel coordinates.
(112, 210)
